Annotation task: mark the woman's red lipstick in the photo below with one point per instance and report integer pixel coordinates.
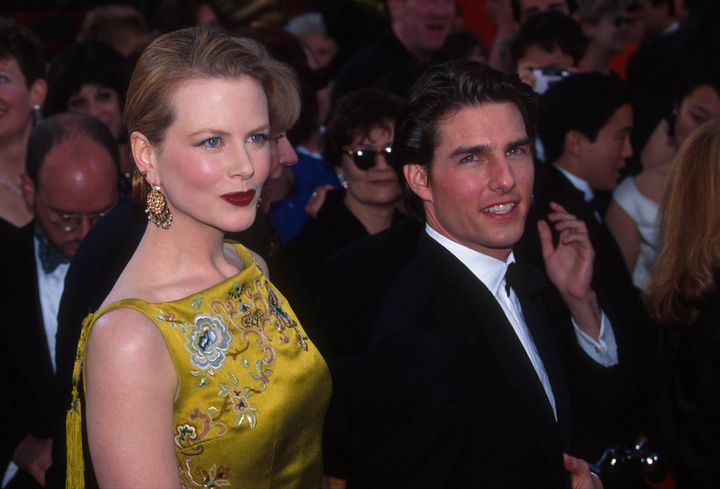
(240, 199)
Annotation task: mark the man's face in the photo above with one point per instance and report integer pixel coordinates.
(423, 25)
(602, 160)
(77, 184)
(480, 182)
(528, 8)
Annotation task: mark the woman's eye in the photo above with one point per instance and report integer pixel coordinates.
(259, 138)
(76, 103)
(213, 142)
(104, 95)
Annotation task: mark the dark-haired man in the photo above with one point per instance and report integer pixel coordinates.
(463, 385)
(584, 122)
(70, 181)
(418, 28)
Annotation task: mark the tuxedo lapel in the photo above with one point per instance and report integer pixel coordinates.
(485, 317)
(538, 322)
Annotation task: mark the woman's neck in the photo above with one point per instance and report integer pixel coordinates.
(12, 158)
(375, 218)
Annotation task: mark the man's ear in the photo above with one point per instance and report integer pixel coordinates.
(574, 141)
(37, 92)
(28, 191)
(418, 180)
(144, 154)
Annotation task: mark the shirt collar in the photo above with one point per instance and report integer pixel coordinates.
(578, 183)
(490, 271)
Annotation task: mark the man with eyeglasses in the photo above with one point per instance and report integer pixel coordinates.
(70, 182)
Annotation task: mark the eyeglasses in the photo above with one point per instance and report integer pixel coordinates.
(69, 222)
(367, 158)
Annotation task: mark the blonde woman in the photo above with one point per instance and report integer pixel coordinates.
(196, 369)
(685, 297)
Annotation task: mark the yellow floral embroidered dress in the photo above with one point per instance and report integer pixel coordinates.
(253, 387)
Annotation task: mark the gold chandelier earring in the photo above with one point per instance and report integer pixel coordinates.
(157, 209)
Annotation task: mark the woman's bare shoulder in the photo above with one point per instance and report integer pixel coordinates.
(126, 333)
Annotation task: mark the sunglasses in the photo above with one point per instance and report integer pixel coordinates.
(367, 158)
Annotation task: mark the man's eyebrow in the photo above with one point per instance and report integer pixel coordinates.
(482, 149)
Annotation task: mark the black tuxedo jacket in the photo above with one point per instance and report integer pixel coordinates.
(602, 418)
(25, 365)
(447, 395)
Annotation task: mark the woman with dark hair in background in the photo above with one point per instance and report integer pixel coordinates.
(684, 295)
(632, 215)
(92, 78)
(358, 143)
(22, 93)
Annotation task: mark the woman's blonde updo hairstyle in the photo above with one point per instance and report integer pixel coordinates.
(188, 54)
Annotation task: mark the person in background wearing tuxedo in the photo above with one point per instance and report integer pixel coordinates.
(463, 385)
(70, 181)
(584, 123)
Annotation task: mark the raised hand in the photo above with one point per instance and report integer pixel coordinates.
(569, 266)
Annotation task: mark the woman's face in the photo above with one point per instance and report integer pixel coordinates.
(610, 31)
(699, 106)
(378, 185)
(100, 102)
(16, 99)
(216, 154)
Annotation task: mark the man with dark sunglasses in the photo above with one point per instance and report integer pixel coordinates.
(70, 182)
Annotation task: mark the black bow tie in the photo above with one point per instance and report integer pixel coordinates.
(50, 257)
(524, 281)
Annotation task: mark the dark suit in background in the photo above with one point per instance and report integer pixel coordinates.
(26, 368)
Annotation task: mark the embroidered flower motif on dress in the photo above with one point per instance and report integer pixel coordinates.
(236, 290)
(207, 341)
(214, 477)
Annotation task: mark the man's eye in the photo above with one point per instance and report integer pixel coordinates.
(469, 158)
(519, 151)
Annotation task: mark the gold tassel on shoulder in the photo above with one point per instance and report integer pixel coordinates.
(75, 477)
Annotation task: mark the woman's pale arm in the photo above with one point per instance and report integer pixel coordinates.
(131, 387)
(625, 232)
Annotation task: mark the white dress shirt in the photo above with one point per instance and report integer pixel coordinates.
(50, 288)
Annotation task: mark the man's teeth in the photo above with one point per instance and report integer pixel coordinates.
(500, 208)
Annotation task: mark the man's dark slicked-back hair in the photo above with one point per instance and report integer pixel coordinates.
(583, 102)
(439, 93)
